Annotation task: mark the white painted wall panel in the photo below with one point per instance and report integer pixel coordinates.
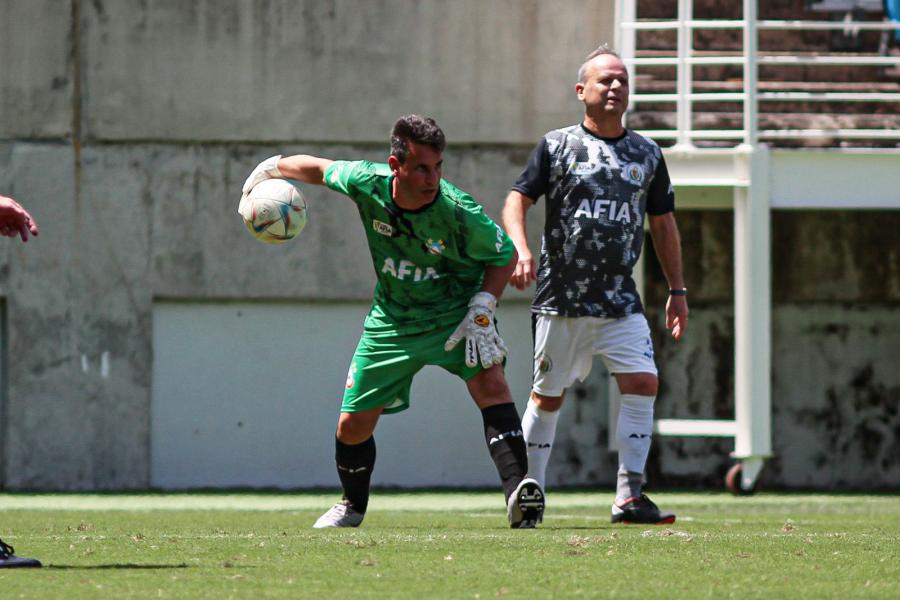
(840, 180)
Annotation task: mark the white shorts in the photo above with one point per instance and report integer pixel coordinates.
(564, 349)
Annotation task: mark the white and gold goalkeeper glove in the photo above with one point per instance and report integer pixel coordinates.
(480, 331)
(267, 169)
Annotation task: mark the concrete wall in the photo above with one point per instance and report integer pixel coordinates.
(127, 128)
(276, 70)
(835, 348)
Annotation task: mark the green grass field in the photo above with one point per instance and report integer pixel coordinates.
(450, 544)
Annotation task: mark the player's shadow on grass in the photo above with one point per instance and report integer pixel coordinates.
(115, 566)
(579, 527)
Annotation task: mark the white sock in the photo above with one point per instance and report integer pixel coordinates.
(634, 435)
(539, 427)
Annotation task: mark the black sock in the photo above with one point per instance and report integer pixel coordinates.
(354, 466)
(503, 433)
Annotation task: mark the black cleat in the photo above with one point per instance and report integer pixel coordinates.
(640, 511)
(525, 508)
(8, 559)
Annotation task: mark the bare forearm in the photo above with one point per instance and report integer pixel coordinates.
(517, 204)
(305, 168)
(514, 210)
(495, 278)
(667, 243)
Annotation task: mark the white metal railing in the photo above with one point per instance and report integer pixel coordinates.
(686, 57)
(658, 24)
(768, 60)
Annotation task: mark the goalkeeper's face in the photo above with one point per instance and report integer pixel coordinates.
(417, 179)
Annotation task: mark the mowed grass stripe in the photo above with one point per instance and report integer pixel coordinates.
(432, 501)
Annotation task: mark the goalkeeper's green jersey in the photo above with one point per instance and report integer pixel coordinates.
(429, 262)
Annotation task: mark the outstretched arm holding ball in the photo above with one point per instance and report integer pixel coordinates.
(305, 168)
(272, 206)
(300, 167)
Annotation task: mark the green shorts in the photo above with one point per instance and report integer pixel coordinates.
(383, 368)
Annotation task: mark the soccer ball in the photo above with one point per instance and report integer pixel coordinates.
(276, 211)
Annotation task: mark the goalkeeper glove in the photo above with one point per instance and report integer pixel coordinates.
(267, 169)
(480, 331)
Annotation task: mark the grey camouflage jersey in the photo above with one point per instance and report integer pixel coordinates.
(597, 191)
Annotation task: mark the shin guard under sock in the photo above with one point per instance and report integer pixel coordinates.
(539, 427)
(503, 434)
(634, 431)
(354, 466)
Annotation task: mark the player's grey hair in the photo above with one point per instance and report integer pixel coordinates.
(418, 130)
(601, 50)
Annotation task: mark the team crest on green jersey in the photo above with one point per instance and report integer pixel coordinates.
(435, 247)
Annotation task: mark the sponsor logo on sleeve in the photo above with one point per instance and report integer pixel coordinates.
(382, 228)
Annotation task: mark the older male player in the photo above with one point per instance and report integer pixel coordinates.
(15, 221)
(441, 264)
(600, 181)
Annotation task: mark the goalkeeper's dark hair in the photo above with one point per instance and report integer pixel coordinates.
(601, 50)
(418, 130)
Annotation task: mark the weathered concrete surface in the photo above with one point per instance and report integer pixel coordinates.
(77, 299)
(837, 256)
(841, 431)
(180, 100)
(836, 339)
(297, 70)
(36, 84)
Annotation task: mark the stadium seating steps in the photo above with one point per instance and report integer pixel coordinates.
(775, 78)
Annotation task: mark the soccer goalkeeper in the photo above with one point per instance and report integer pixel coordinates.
(441, 264)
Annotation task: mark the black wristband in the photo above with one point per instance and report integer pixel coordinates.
(678, 292)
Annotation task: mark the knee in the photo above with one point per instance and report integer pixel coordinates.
(489, 387)
(352, 431)
(548, 403)
(639, 384)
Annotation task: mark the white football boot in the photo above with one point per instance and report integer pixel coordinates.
(340, 515)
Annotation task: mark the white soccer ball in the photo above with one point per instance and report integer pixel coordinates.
(277, 211)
